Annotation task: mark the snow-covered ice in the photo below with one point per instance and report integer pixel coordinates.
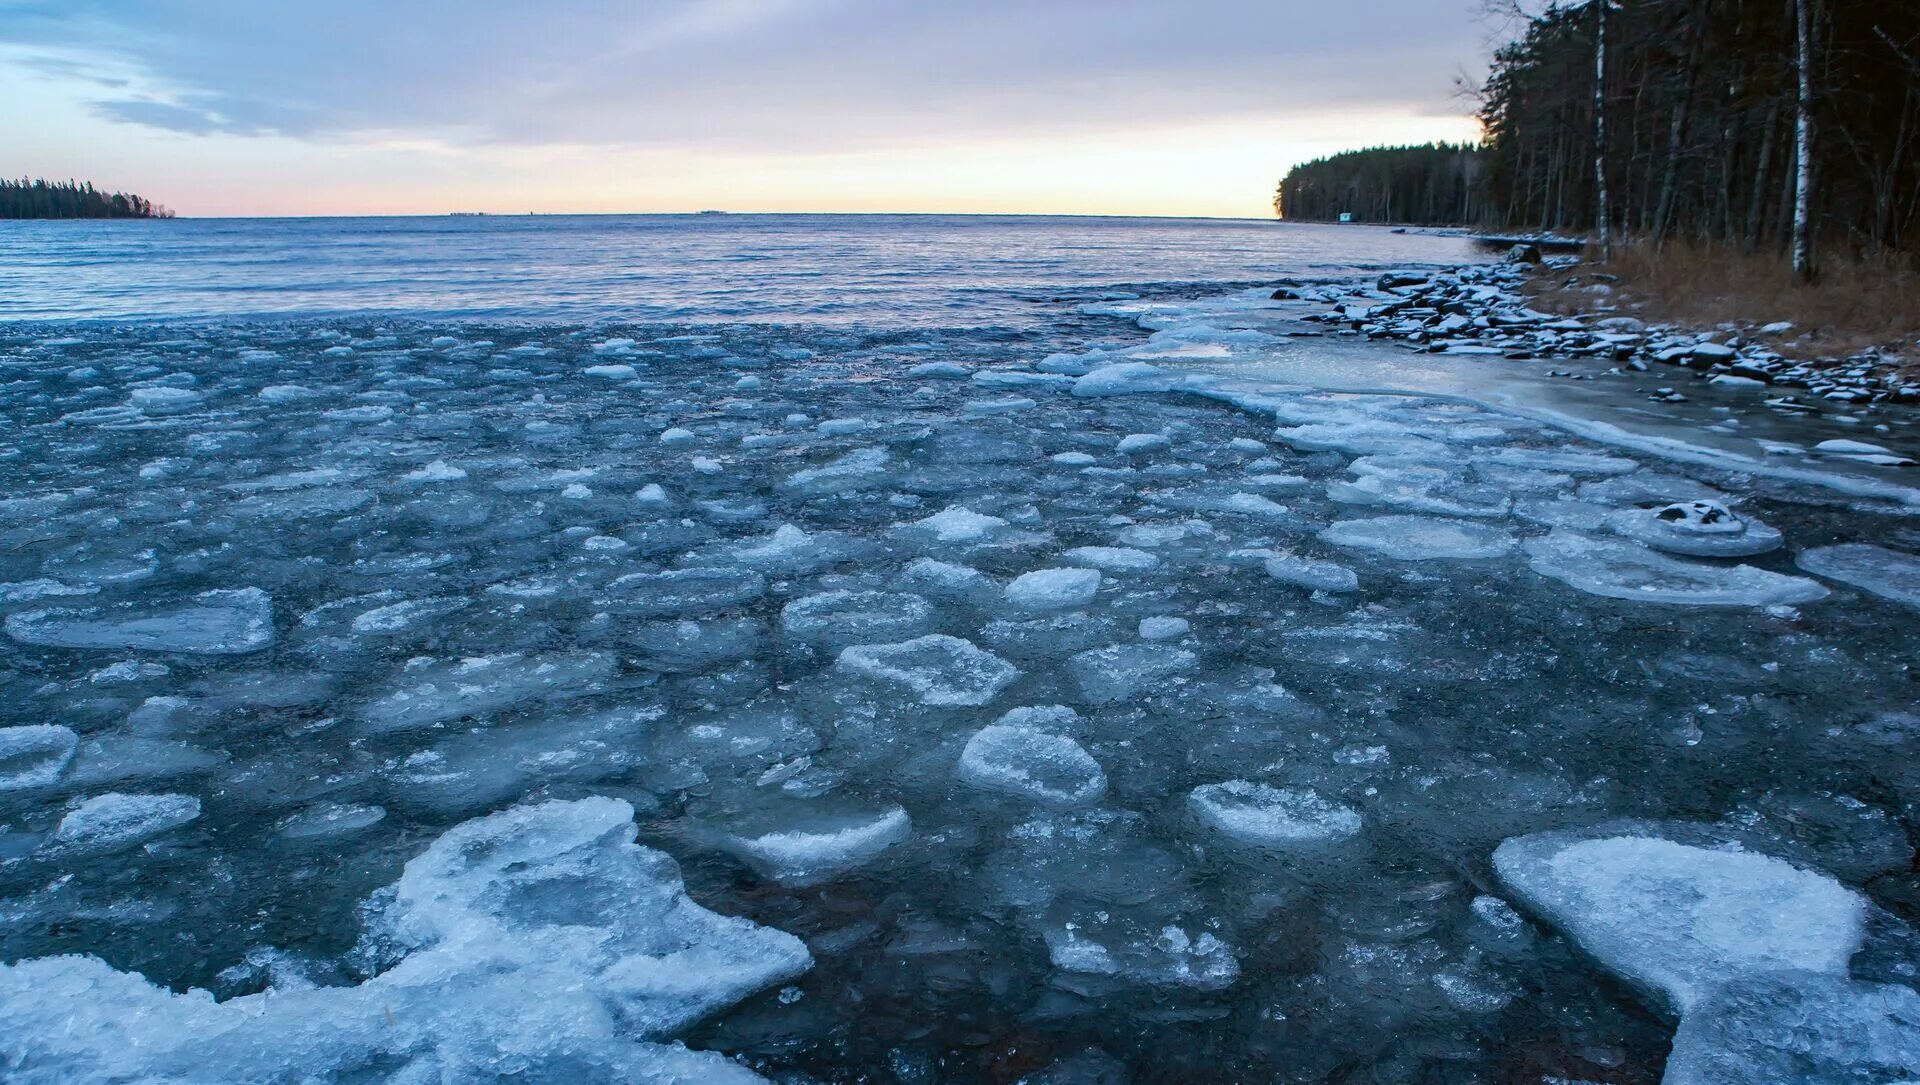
(1050, 769)
(1677, 919)
(540, 940)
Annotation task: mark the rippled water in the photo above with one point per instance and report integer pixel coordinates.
(884, 269)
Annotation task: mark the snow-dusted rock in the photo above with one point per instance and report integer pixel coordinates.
(1696, 528)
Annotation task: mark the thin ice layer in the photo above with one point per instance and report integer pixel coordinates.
(215, 623)
(1889, 574)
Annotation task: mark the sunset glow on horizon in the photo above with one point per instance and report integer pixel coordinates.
(217, 108)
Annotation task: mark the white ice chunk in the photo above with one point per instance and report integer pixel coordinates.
(1618, 569)
(958, 524)
(34, 755)
(1054, 589)
(1143, 444)
(1889, 574)
(329, 820)
(1049, 769)
(1128, 378)
(821, 847)
(1273, 818)
(218, 623)
(939, 670)
(1163, 627)
(113, 821)
(1113, 559)
(1420, 538)
(437, 471)
(1677, 920)
(540, 943)
(1101, 944)
(1311, 573)
(947, 580)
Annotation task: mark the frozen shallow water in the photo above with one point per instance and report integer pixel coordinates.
(394, 675)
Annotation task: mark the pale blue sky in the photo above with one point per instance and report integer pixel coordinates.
(1194, 107)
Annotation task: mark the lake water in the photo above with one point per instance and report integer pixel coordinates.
(1054, 661)
(913, 271)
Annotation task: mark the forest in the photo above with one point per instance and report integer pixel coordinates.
(1434, 184)
(1682, 119)
(41, 199)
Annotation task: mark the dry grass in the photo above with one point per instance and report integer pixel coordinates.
(1852, 306)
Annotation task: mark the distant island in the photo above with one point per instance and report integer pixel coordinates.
(42, 199)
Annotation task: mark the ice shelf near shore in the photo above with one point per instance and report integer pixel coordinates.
(538, 941)
(1059, 695)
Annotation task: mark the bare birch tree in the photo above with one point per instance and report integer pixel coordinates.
(1803, 143)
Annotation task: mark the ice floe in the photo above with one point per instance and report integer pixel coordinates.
(1047, 768)
(1619, 569)
(1889, 574)
(540, 941)
(1420, 538)
(230, 622)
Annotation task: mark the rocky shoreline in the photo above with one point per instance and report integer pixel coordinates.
(1483, 309)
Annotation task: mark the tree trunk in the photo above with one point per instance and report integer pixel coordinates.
(1803, 144)
(1602, 218)
(1676, 133)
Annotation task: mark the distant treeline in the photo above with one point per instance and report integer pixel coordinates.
(1434, 184)
(24, 199)
(1682, 118)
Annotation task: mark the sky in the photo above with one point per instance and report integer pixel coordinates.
(290, 107)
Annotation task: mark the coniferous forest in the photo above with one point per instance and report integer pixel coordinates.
(40, 199)
(1435, 184)
(1682, 119)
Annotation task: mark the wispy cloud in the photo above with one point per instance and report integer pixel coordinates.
(812, 75)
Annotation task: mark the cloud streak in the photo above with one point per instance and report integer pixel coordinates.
(794, 75)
